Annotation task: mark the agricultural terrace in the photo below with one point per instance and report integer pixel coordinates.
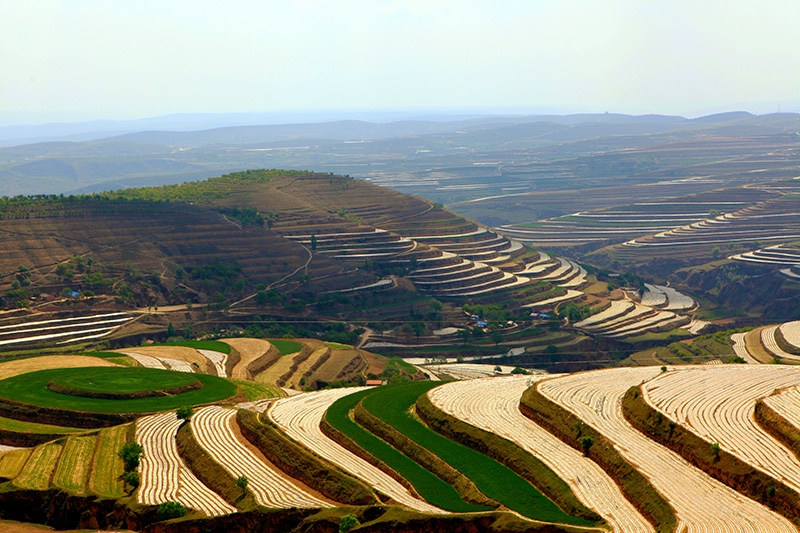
(164, 476)
(83, 389)
(493, 405)
(391, 405)
(434, 489)
(16, 367)
(700, 502)
(691, 397)
(618, 224)
(64, 330)
(300, 416)
(215, 430)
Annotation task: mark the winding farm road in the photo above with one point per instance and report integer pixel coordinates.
(702, 504)
(492, 404)
(300, 416)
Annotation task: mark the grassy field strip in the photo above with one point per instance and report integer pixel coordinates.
(571, 295)
(493, 405)
(769, 342)
(617, 309)
(492, 478)
(272, 488)
(654, 296)
(12, 462)
(177, 365)
(299, 417)
(145, 360)
(219, 360)
(701, 503)
(791, 332)
(691, 397)
(164, 476)
(740, 349)
(108, 467)
(39, 468)
(249, 350)
(73, 466)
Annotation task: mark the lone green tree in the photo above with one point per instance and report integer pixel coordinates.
(586, 445)
(348, 522)
(130, 454)
(241, 482)
(185, 412)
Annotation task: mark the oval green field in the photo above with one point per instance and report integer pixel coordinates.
(31, 388)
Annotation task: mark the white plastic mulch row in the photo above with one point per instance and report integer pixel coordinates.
(616, 309)
(740, 349)
(213, 429)
(653, 296)
(219, 359)
(492, 404)
(145, 360)
(176, 365)
(691, 397)
(791, 332)
(468, 370)
(571, 295)
(164, 476)
(771, 344)
(299, 417)
(701, 503)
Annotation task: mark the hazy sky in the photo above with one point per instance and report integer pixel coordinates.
(86, 59)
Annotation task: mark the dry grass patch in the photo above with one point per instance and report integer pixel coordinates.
(752, 342)
(39, 469)
(107, 466)
(46, 362)
(249, 350)
(11, 462)
(73, 467)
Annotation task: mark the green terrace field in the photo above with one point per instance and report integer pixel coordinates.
(392, 404)
(32, 389)
(431, 488)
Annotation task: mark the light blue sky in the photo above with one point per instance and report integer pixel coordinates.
(120, 59)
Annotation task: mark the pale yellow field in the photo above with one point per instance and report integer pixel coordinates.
(73, 466)
(23, 366)
(107, 465)
(11, 462)
(39, 468)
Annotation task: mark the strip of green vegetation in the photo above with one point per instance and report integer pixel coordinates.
(338, 346)
(298, 462)
(9, 424)
(570, 429)
(508, 453)
(392, 403)
(465, 487)
(286, 347)
(430, 487)
(717, 463)
(31, 388)
(257, 391)
(216, 346)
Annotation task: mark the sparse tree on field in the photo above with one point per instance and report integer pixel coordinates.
(130, 454)
(586, 445)
(348, 522)
(241, 482)
(715, 448)
(185, 412)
